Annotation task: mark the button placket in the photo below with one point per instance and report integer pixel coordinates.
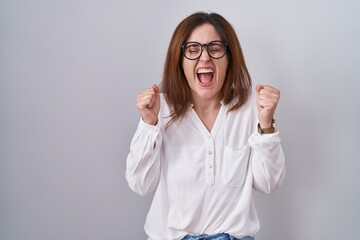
(210, 178)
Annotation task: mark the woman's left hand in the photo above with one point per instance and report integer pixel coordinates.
(267, 100)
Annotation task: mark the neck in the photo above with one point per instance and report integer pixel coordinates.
(208, 106)
(207, 112)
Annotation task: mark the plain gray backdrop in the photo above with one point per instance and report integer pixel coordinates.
(69, 74)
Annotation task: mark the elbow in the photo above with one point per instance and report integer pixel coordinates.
(266, 188)
(141, 191)
(270, 189)
(270, 185)
(140, 187)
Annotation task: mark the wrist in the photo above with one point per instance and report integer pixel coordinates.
(150, 122)
(267, 129)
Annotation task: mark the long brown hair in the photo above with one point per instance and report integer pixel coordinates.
(237, 84)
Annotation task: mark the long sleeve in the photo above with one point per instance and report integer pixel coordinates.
(267, 162)
(143, 160)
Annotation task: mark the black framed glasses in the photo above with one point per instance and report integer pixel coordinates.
(193, 50)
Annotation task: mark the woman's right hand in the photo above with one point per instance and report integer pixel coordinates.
(148, 104)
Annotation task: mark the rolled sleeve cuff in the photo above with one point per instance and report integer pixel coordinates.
(257, 138)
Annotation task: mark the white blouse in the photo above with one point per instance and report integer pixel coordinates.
(203, 180)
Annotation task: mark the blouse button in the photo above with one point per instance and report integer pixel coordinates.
(210, 165)
(209, 152)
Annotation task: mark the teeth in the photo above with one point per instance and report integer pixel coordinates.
(205, 70)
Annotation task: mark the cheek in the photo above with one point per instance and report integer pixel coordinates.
(188, 69)
(222, 71)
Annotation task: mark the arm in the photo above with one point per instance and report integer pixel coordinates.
(267, 162)
(143, 160)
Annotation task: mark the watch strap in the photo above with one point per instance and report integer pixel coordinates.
(271, 129)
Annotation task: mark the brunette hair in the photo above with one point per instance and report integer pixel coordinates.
(237, 84)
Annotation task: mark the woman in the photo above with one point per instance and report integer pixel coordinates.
(205, 141)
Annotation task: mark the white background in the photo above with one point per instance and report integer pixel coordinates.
(69, 74)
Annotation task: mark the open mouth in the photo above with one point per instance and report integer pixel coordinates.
(205, 76)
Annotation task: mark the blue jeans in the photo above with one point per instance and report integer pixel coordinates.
(220, 236)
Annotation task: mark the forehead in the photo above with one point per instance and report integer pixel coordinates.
(204, 33)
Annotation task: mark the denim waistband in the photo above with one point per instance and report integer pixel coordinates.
(220, 236)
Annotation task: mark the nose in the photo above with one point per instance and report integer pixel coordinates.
(204, 55)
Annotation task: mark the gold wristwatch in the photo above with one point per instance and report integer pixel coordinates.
(269, 130)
